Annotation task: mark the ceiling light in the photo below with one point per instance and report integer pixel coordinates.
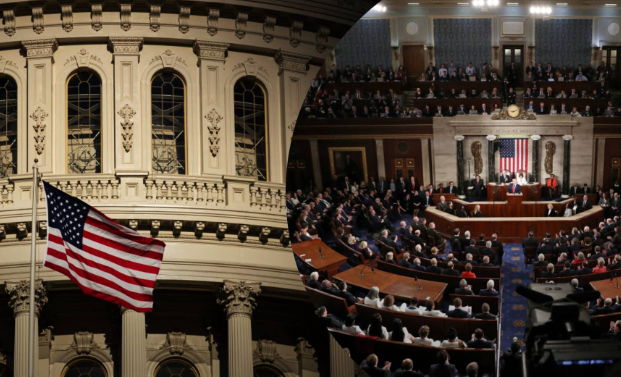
(379, 8)
(610, 5)
(561, 4)
(412, 3)
(513, 3)
(541, 10)
(463, 3)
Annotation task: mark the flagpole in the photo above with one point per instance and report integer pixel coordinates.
(33, 256)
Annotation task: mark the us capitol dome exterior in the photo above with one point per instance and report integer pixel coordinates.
(173, 118)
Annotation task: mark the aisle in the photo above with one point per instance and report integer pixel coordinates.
(512, 273)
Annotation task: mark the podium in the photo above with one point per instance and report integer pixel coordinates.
(515, 199)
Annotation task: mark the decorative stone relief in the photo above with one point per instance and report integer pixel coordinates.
(37, 20)
(222, 227)
(210, 50)
(83, 342)
(266, 351)
(19, 297)
(212, 21)
(214, 130)
(155, 227)
(184, 19)
(549, 160)
(4, 62)
(83, 58)
(268, 28)
(125, 45)
(46, 335)
(243, 232)
(199, 229)
(295, 33)
(321, 37)
(67, 17)
(291, 61)
(177, 226)
(126, 16)
(39, 116)
(154, 17)
(133, 224)
(2, 232)
(265, 233)
(613, 29)
(9, 22)
(304, 349)
(239, 297)
(127, 133)
(96, 22)
(241, 23)
(476, 148)
(40, 47)
(176, 343)
(42, 229)
(284, 239)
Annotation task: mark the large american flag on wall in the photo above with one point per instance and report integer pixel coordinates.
(105, 259)
(514, 155)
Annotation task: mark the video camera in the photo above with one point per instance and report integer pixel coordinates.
(560, 337)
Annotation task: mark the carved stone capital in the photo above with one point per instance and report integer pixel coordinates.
(125, 45)
(210, 50)
(212, 21)
(291, 61)
(303, 350)
(266, 351)
(20, 297)
(239, 297)
(568, 137)
(40, 48)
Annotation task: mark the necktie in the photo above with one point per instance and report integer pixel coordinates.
(513, 189)
(441, 191)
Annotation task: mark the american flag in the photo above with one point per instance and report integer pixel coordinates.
(514, 155)
(105, 259)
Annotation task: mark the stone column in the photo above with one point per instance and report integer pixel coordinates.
(316, 164)
(381, 164)
(536, 162)
(424, 143)
(293, 89)
(19, 301)
(460, 162)
(39, 55)
(127, 115)
(239, 300)
(307, 359)
(566, 162)
(211, 59)
(133, 343)
(341, 364)
(491, 158)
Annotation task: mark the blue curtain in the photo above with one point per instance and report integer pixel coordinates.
(367, 42)
(563, 42)
(462, 40)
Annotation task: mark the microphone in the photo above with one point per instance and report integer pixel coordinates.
(368, 264)
(614, 276)
(419, 287)
(320, 253)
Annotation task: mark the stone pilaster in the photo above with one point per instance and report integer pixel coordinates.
(536, 164)
(20, 303)
(460, 162)
(566, 162)
(491, 158)
(133, 343)
(39, 57)
(211, 59)
(307, 358)
(292, 70)
(341, 364)
(314, 147)
(239, 300)
(127, 114)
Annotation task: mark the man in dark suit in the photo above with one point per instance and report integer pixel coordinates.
(504, 177)
(463, 289)
(471, 249)
(479, 341)
(567, 271)
(458, 312)
(545, 248)
(514, 188)
(329, 320)
(382, 186)
(585, 270)
(530, 240)
(313, 280)
(369, 365)
(584, 205)
(443, 368)
(434, 267)
(402, 188)
(551, 212)
(452, 189)
(407, 370)
(489, 291)
(486, 314)
(549, 272)
(574, 190)
(477, 186)
(498, 246)
(450, 270)
(348, 296)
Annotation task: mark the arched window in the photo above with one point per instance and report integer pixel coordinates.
(176, 368)
(84, 367)
(266, 370)
(168, 123)
(251, 157)
(84, 123)
(8, 127)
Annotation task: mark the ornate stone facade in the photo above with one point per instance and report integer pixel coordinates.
(239, 297)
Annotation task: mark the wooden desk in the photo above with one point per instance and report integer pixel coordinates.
(446, 86)
(455, 102)
(592, 198)
(567, 86)
(447, 197)
(504, 209)
(579, 103)
(402, 287)
(527, 192)
(330, 262)
(607, 287)
(512, 229)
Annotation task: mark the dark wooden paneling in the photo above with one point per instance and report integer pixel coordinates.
(612, 149)
(299, 177)
(324, 157)
(414, 60)
(414, 151)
